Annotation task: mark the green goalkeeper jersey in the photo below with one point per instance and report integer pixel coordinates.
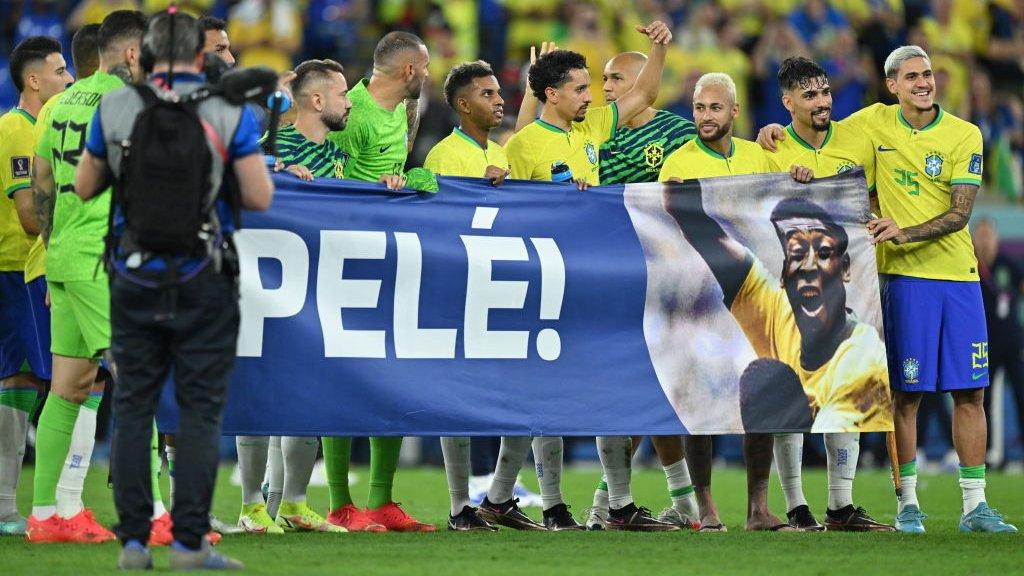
(375, 138)
(76, 243)
(636, 154)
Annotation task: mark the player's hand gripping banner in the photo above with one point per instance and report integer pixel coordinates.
(746, 304)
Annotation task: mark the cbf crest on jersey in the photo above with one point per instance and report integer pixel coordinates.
(911, 370)
(654, 154)
(844, 167)
(591, 152)
(933, 164)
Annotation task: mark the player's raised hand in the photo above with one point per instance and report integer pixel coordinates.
(657, 31)
(284, 83)
(545, 48)
(801, 173)
(769, 135)
(496, 175)
(393, 181)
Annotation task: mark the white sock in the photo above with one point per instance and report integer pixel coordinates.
(601, 495)
(908, 492)
(13, 431)
(76, 466)
(456, 469)
(511, 456)
(169, 452)
(973, 487)
(789, 449)
(157, 466)
(299, 455)
(547, 455)
(616, 453)
(252, 462)
(842, 452)
(158, 509)
(274, 475)
(680, 489)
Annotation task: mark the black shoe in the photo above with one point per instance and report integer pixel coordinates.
(801, 517)
(469, 520)
(507, 514)
(635, 519)
(558, 518)
(850, 519)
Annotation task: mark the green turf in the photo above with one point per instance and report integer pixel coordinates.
(423, 492)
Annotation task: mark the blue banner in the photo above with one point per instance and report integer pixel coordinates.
(524, 309)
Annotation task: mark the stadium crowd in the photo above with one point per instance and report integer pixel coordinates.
(977, 48)
(710, 56)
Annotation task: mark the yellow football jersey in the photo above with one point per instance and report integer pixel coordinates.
(848, 393)
(15, 175)
(458, 154)
(842, 149)
(35, 263)
(541, 148)
(914, 174)
(695, 160)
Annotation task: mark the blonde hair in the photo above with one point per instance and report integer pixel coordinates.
(900, 55)
(716, 79)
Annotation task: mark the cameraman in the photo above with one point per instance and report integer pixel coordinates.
(172, 310)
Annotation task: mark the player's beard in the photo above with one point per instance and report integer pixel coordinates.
(717, 134)
(333, 121)
(823, 126)
(414, 88)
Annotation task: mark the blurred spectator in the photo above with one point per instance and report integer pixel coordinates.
(816, 18)
(41, 18)
(849, 72)
(587, 36)
(265, 33)
(196, 8)
(779, 41)
(94, 11)
(882, 32)
(332, 29)
(1005, 46)
(1002, 285)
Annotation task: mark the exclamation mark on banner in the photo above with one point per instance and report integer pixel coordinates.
(552, 290)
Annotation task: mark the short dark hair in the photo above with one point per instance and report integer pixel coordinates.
(85, 50)
(462, 76)
(799, 207)
(121, 25)
(798, 72)
(392, 44)
(30, 51)
(208, 23)
(552, 71)
(312, 70)
(182, 49)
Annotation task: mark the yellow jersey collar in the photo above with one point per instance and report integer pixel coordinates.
(458, 132)
(935, 121)
(804, 143)
(714, 154)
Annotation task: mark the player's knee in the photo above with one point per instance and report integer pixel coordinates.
(906, 403)
(969, 398)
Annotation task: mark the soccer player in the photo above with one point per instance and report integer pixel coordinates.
(378, 136)
(321, 100)
(827, 148)
(79, 295)
(562, 146)
(929, 166)
(635, 154)
(472, 91)
(715, 152)
(39, 72)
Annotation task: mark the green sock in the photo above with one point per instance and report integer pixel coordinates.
(383, 464)
(908, 468)
(156, 465)
(53, 440)
(337, 452)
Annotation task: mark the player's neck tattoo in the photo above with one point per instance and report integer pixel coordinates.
(122, 71)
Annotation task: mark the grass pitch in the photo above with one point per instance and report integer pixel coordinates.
(423, 492)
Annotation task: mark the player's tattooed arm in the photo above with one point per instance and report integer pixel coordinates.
(412, 116)
(43, 197)
(961, 204)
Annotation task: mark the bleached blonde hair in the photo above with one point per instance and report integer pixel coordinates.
(716, 79)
